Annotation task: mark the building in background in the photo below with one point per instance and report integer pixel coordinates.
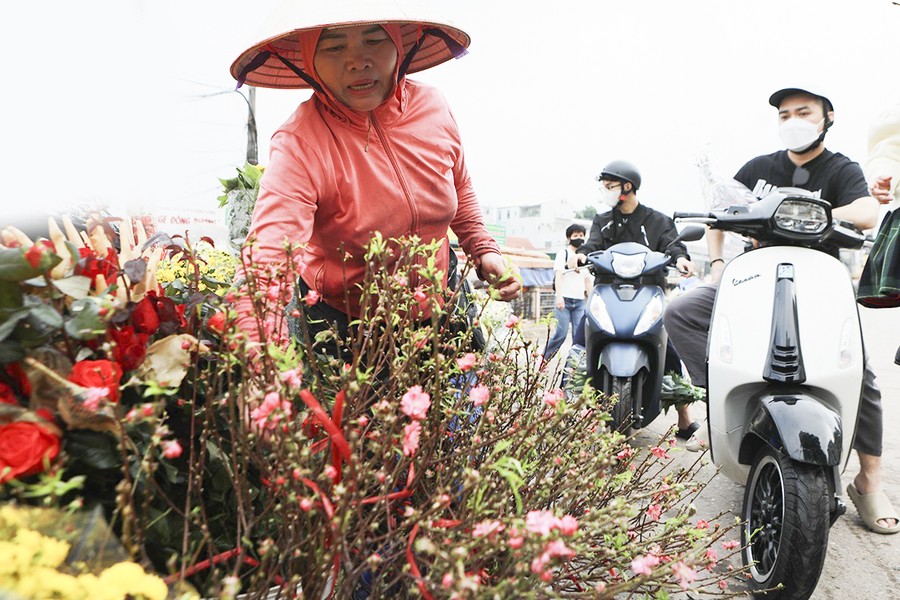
(543, 224)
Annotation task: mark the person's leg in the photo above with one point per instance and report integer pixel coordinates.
(685, 421)
(559, 336)
(687, 320)
(576, 313)
(868, 445)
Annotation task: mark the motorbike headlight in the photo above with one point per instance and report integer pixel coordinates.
(628, 265)
(800, 216)
(598, 310)
(650, 315)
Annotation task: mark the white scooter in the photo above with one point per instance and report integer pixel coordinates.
(785, 373)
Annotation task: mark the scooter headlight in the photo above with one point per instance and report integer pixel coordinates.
(598, 310)
(627, 266)
(800, 216)
(650, 315)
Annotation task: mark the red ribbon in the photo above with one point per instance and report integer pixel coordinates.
(413, 567)
(330, 426)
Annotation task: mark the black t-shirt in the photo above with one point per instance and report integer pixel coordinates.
(831, 176)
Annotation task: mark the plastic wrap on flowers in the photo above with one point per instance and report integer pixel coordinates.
(721, 192)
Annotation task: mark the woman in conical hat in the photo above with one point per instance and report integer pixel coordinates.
(370, 151)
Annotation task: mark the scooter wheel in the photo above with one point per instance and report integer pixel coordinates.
(785, 525)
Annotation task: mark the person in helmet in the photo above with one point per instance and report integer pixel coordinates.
(370, 151)
(804, 117)
(628, 220)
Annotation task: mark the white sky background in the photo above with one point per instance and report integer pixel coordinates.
(129, 102)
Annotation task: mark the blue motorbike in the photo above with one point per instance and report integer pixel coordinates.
(625, 342)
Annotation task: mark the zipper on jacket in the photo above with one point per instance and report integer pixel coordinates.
(646, 241)
(406, 191)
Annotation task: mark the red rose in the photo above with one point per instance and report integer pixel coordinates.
(171, 315)
(130, 347)
(216, 322)
(24, 446)
(98, 374)
(34, 255)
(144, 316)
(90, 265)
(18, 379)
(7, 396)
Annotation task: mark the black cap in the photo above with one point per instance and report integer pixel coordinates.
(778, 97)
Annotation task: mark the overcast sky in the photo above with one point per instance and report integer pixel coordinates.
(130, 102)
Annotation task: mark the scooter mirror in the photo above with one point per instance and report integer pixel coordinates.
(691, 233)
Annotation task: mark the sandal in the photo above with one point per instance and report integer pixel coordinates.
(874, 507)
(687, 432)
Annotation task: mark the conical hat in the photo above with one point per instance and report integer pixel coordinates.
(280, 34)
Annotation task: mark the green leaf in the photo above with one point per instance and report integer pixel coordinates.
(10, 297)
(76, 286)
(12, 321)
(15, 267)
(47, 315)
(94, 449)
(86, 322)
(11, 351)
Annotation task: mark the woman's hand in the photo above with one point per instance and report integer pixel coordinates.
(502, 276)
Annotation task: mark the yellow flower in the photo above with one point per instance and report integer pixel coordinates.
(129, 578)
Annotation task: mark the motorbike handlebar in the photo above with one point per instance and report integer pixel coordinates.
(692, 215)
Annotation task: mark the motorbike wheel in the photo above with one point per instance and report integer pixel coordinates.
(785, 525)
(622, 412)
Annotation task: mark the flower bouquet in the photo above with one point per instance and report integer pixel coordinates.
(402, 463)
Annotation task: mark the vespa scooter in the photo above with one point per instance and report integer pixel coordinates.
(785, 371)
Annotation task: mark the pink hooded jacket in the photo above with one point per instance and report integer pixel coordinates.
(336, 175)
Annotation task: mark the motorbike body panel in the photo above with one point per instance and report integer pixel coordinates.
(740, 349)
(798, 425)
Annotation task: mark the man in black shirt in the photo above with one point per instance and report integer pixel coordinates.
(804, 118)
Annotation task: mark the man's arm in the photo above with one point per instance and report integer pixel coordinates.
(715, 241)
(862, 212)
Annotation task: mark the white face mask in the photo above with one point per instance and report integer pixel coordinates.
(610, 197)
(799, 134)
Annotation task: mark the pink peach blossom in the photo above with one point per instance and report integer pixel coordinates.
(171, 449)
(479, 394)
(552, 397)
(685, 574)
(654, 511)
(94, 396)
(415, 403)
(411, 435)
(271, 411)
(487, 528)
(730, 544)
(511, 321)
(568, 525)
(312, 298)
(643, 565)
(659, 452)
(293, 377)
(541, 522)
(466, 361)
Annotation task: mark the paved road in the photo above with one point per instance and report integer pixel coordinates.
(860, 565)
